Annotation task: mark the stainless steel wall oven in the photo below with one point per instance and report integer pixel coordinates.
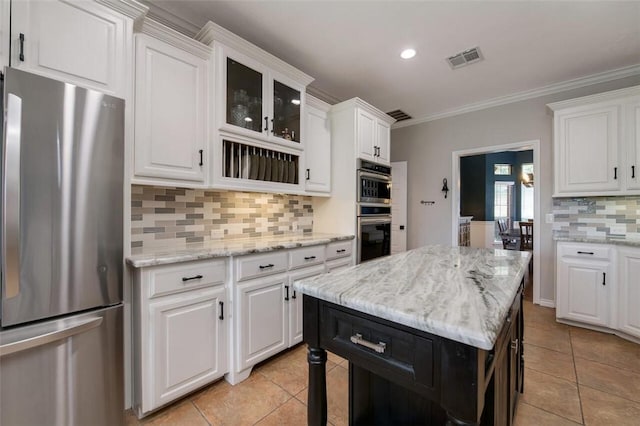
(374, 211)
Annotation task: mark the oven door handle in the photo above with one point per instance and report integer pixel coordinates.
(375, 176)
(375, 220)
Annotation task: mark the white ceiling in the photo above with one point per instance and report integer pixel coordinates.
(352, 48)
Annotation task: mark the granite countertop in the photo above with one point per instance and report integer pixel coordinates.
(598, 240)
(459, 293)
(142, 257)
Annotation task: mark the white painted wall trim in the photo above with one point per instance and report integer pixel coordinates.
(455, 201)
(527, 94)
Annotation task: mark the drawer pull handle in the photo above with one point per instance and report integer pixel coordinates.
(514, 345)
(271, 265)
(21, 55)
(615, 173)
(309, 257)
(294, 295)
(221, 310)
(195, 277)
(604, 278)
(586, 252)
(359, 340)
(286, 294)
(341, 251)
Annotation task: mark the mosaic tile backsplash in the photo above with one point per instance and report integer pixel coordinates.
(172, 216)
(606, 217)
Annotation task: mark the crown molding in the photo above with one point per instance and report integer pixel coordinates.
(528, 94)
(159, 31)
(313, 101)
(359, 103)
(323, 96)
(171, 20)
(130, 8)
(598, 97)
(213, 32)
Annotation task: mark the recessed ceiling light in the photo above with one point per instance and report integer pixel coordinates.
(408, 54)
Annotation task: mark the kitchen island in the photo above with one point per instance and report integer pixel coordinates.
(432, 335)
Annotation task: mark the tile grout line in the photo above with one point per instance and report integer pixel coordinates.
(550, 412)
(575, 371)
(200, 412)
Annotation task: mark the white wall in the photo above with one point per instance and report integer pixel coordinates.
(428, 149)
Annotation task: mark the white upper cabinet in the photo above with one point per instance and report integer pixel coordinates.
(82, 42)
(5, 37)
(259, 115)
(633, 143)
(371, 129)
(596, 144)
(171, 108)
(317, 147)
(256, 101)
(366, 129)
(383, 136)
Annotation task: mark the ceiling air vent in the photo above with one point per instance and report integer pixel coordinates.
(399, 115)
(465, 58)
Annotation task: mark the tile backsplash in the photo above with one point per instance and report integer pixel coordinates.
(606, 217)
(173, 216)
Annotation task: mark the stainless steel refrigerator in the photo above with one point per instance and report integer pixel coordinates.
(61, 336)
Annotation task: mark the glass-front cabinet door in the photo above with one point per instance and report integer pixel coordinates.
(286, 112)
(244, 106)
(259, 103)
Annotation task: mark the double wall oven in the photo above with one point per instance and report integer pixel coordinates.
(374, 211)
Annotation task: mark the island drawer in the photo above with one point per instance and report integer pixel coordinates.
(389, 352)
(259, 265)
(306, 256)
(339, 249)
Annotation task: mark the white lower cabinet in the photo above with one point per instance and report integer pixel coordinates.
(261, 316)
(597, 285)
(583, 295)
(188, 343)
(180, 330)
(295, 302)
(629, 291)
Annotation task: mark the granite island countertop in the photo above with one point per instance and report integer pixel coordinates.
(143, 257)
(459, 293)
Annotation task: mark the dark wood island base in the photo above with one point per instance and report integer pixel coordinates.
(400, 375)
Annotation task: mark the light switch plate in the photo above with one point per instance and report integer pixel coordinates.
(548, 218)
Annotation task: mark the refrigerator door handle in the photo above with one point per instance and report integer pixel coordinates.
(52, 336)
(11, 201)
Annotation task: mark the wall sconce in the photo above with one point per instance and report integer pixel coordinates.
(527, 179)
(445, 188)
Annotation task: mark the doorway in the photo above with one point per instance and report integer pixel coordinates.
(533, 145)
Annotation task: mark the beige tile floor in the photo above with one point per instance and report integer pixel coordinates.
(572, 376)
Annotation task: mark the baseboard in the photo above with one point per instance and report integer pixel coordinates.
(547, 303)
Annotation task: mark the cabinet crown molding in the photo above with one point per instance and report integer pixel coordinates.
(359, 103)
(317, 103)
(168, 35)
(212, 32)
(130, 8)
(598, 97)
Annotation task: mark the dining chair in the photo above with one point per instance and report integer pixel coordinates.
(526, 235)
(508, 242)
